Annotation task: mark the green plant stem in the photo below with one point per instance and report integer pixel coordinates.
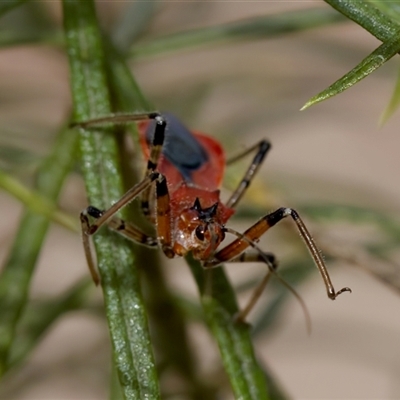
(126, 316)
(17, 273)
(233, 338)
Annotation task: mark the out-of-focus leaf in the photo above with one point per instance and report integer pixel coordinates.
(12, 157)
(393, 103)
(375, 60)
(16, 275)
(253, 28)
(389, 224)
(30, 23)
(37, 203)
(11, 38)
(133, 21)
(8, 5)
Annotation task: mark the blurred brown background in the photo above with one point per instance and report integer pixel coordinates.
(334, 151)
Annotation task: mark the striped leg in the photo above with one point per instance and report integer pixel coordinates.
(252, 255)
(102, 217)
(147, 196)
(156, 145)
(116, 119)
(128, 229)
(251, 235)
(255, 254)
(262, 148)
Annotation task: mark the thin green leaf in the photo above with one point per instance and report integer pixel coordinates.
(13, 157)
(365, 14)
(36, 202)
(234, 340)
(375, 60)
(393, 103)
(11, 38)
(16, 276)
(336, 212)
(249, 29)
(126, 316)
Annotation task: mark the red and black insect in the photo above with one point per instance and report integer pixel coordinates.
(180, 194)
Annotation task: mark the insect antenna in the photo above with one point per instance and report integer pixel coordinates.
(241, 316)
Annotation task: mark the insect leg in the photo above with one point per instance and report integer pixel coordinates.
(156, 146)
(258, 291)
(163, 217)
(252, 234)
(255, 254)
(251, 255)
(262, 148)
(102, 217)
(155, 152)
(131, 232)
(115, 119)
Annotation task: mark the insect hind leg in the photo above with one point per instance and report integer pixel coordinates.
(262, 148)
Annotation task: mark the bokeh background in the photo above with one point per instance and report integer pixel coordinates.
(335, 152)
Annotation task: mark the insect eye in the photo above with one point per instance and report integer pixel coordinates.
(200, 232)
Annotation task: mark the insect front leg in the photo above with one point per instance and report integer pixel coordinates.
(253, 234)
(103, 217)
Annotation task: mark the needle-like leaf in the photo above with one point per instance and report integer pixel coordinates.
(126, 316)
(375, 60)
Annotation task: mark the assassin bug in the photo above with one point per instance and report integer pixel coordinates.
(180, 194)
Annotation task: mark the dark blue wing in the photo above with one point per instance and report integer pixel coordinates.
(181, 148)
